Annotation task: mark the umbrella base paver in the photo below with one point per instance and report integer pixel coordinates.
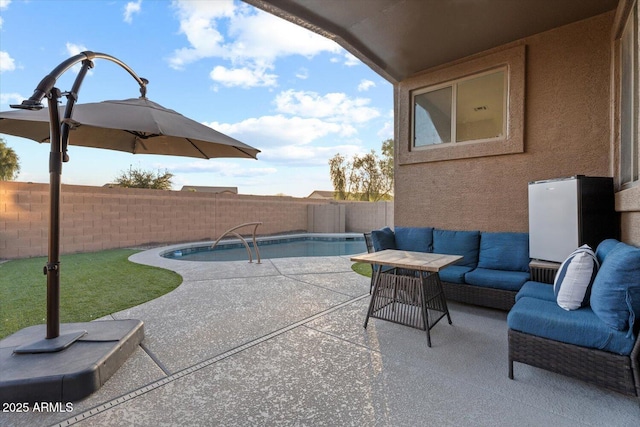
(70, 374)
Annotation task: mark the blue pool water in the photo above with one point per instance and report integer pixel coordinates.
(281, 247)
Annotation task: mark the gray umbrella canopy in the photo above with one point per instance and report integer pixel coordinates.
(135, 125)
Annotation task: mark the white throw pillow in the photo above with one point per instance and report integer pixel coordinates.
(572, 284)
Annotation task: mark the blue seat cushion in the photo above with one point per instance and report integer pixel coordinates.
(383, 239)
(615, 294)
(454, 273)
(538, 290)
(499, 279)
(504, 251)
(418, 239)
(465, 243)
(579, 327)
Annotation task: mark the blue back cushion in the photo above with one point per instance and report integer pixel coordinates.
(604, 248)
(419, 239)
(615, 294)
(465, 243)
(504, 251)
(383, 239)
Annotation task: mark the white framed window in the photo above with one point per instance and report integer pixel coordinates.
(629, 102)
(472, 108)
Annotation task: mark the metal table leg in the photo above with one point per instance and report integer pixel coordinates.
(433, 299)
(376, 289)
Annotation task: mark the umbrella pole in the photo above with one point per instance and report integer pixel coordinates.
(58, 135)
(53, 341)
(52, 269)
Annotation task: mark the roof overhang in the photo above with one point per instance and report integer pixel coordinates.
(398, 38)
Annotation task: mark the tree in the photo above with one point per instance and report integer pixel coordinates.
(138, 178)
(366, 177)
(9, 162)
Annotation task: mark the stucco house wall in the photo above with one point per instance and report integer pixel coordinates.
(567, 131)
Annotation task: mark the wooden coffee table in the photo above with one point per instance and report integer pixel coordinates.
(411, 291)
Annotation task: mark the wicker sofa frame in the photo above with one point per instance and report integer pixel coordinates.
(478, 295)
(612, 371)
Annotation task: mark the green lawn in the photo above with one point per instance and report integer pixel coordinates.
(92, 286)
(362, 268)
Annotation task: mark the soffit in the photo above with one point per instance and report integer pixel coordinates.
(398, 38)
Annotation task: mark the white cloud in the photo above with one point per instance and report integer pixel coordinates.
(294, 141)
(73, 50)
(308, 129)
(221, 168)
(278, 130)
(263, 36)
(3, 5)
(386, 132)
(243, 77)
(334, 106)
(365, 85)
(131, 8)
(253, 41)
(7, 99)
(308, 154)
(302, 73)
(350, 60)
(6, 62)
(198, 23)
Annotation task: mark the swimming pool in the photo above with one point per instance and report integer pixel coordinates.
(301, 245)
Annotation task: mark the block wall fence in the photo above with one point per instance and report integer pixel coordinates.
(98, 218)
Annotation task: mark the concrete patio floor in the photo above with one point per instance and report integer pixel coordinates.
(282, 343)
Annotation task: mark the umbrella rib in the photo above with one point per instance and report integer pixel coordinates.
(142, 135)
(196, 147)
(241, 150)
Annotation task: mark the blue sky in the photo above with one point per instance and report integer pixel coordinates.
(296, 96)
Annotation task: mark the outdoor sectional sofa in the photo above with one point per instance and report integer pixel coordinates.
(495, 265)
(596, 342)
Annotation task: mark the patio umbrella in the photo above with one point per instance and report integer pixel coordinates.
(132, 125)
(136, 125)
